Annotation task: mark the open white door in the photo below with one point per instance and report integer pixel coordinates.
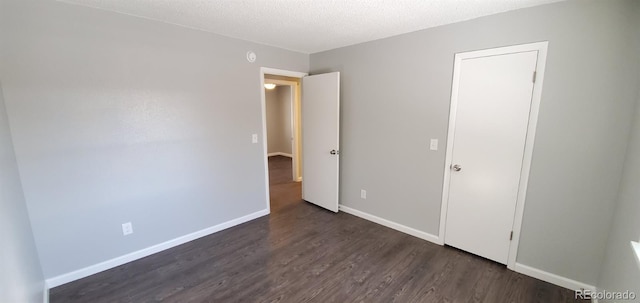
(320, 136)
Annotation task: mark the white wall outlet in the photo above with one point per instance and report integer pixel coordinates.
(433, 145)
(127, 228)
(363, 194)
(254, 138)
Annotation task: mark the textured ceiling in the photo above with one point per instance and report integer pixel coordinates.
(310, 26)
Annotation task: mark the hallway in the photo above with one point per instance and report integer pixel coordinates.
(283, 191)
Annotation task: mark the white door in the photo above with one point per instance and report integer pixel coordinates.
(320, 136)
(491, 119)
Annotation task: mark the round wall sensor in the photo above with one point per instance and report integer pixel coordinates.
(251, 56)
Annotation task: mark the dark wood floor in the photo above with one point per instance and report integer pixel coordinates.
(301, 253)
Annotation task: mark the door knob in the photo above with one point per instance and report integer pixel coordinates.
(456, 167)
(334, 152)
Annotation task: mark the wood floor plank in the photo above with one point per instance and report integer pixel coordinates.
(303, 253)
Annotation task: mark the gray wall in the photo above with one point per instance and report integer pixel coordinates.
(121, 119)
(21, 278)
(620, 271)
(279, 131)
(116, 118)
(396, 95)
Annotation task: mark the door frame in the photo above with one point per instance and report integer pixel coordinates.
(541, 47)
(263, 105)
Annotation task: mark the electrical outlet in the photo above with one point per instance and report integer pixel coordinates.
(254, 138)
(127, 228)
(363, 194)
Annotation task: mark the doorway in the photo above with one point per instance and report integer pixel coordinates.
(494, 108)
(316, 117)
(282, 105)
(281, 97)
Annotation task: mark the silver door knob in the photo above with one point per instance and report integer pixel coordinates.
(456, 167)
(334, 152)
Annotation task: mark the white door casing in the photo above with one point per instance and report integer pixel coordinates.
(494, 108)
(320, 139)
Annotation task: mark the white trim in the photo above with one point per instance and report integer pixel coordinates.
(551, 278)
(45, 293)
(279, 154)
(263, 105)
(282, 72)
(541, 48)
(263, 115)
(384, 222)
(102, 266)
(635, 246)
(520, 268)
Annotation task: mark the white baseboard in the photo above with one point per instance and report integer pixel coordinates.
(399, 227)
(520, 268)
(279, 154)
(551, 278)
(102, 266)
(96, 268)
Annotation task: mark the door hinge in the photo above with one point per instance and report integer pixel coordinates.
(511, 236)
(534, 76)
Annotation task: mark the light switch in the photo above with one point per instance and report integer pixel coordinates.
(434, 144)
(254, 138)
